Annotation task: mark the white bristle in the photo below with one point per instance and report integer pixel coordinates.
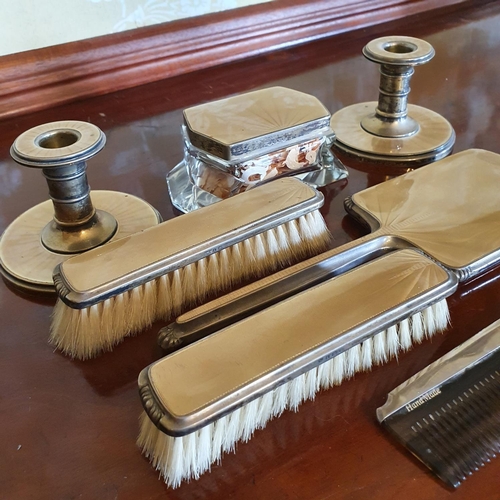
(392, 340)
(150, 443)
(191, 463)
(316, 223)
(159, 448)
(219, 431)
(134, 307)
(175, 462)
(429, 321)
(284, 244)
(164, 301)
(417, 327)
(150, 296)
(212, 268)
(367, 354)
(293, 230)
(337, 368)
(404, 335)
(221, 436)
(238, 256)
(176, 290)
(204, 436)
(64, 328)
(94, 320)
(249, 415)
(233, 430)
(296, 392)
(311, 225)
(108, 331)
(441, 314)
(353, 361)
(272, 244)
(312, 383)
(189, 285)
(225, 263)
(248, 252)
(304, 227)
(260, 248)
(323, 374)
(202, 280)
(280, 399)
(116, 311)
(265, 411)
(379, 348)
(81, 335)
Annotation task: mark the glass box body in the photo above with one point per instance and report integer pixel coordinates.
(237, 143)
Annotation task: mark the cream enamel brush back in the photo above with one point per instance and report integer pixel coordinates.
(207, 370)
(175, 236)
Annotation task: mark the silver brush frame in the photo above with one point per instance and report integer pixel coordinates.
(445, 369)
(80, 300)
(177, 426)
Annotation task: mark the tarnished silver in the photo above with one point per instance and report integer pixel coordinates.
(397, 57)
(230, 383)
(444, 370)
(61, 149)
(406, 212)
(408, 134)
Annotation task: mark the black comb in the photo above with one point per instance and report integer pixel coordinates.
(448, 414)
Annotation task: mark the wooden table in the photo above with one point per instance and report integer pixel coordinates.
(68, 428)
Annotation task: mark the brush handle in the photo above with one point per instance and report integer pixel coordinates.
(232, 307)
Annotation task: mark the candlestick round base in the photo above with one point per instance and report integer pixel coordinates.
(433, 140)
(27, 264)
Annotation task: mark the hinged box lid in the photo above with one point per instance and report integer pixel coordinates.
(256, 123)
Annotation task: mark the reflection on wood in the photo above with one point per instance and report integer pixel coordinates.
(42, 78)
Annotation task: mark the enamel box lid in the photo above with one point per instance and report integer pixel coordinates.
(256, 123)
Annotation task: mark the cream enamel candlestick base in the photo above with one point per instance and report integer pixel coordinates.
(53, 231)
(390, 129)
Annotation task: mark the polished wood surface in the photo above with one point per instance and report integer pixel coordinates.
(68, 428)
(42, 78)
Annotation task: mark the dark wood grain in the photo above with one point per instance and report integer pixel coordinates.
(42, 78)
(68, 428)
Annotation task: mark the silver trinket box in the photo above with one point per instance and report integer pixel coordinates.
(234, 144)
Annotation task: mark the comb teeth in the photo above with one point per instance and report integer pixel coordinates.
(454, 429)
